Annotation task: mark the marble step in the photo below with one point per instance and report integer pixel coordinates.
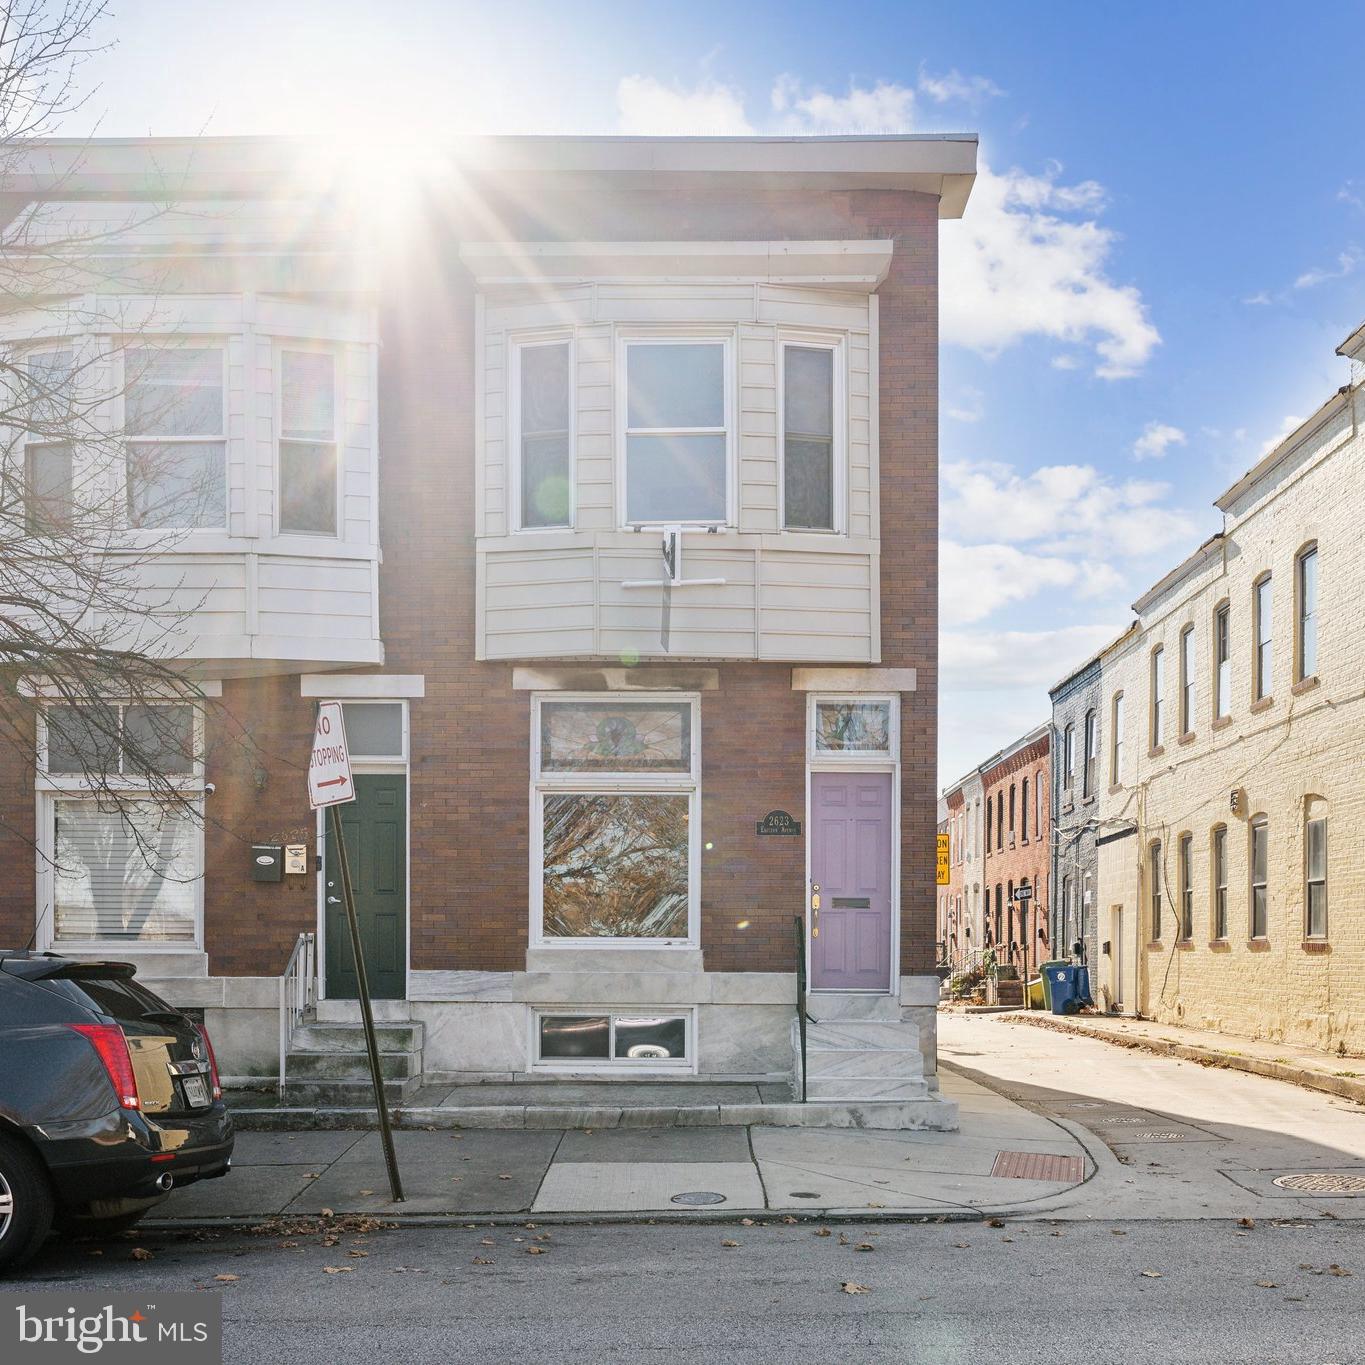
(339, 1066)
(347, 1094)
(348, 1011)
(864, 1035)
(850, 1088)
(884, 1062)
(829, 1007)
(351, 1038)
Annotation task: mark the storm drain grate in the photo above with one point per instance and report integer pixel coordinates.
(1117, 1119)
(1160, 1135)
(1039, 1166)
(1322, 1182)
(698, 1197)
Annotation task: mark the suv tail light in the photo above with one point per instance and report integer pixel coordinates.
(213, 1061)
(112, 1046)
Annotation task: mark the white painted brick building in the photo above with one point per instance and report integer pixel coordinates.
(1232, 814)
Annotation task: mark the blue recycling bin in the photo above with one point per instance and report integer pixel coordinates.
(1064, 981)
(1083, 996)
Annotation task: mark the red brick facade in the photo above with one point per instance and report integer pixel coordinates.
(470, 749)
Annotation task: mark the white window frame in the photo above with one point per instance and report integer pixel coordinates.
(188, 341)
(1187, 680)
(686, 1064)
(308, 347)
(868, 761)
(1156, 687)
(1301, 613)
(676, 336)
(517, 344)
(545, 784)
(50, 788)
(1222, 668)
(1116, 739)
(27, 438)
(1263, 637)
(836, 345)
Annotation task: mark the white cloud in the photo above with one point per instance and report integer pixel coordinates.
(1290, 423)
(1028, 260)
(1067, 509)
(1258, 300)
(1014, 267)
(648, 108)
(954, 86)
(1346, 264)
(885, 108)
(975, 581)
(979, 661)
(1155, 438)
(969, 406)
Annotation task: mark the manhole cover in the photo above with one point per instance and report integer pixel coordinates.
(698, 1197)
(802, 1194)
(1322, 1182)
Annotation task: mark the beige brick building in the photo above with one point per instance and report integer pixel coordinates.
(1231, 817)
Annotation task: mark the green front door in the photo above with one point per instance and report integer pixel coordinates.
(375, 827)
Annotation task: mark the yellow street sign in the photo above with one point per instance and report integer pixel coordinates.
(944, 876)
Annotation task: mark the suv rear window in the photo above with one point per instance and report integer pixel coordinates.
(118, 997)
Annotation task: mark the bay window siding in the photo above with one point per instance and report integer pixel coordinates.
(741, 411)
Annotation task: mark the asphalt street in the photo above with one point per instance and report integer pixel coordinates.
(1132, 1292)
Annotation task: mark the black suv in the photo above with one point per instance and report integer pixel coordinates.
(108, 1097)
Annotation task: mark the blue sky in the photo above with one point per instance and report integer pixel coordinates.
(1165, 247)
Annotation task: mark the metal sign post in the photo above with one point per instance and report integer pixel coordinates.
(330, 785)
(1023, 893)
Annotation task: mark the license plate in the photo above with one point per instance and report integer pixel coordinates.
(196, 1092)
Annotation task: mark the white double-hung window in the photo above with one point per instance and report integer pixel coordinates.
(675, 436)
(309, 476)
(812, 455)
(615, 811)
(175, 425)
(121, 846)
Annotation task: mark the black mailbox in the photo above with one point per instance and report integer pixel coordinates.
(267, 862)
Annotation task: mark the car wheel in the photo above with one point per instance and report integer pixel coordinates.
(25, 1204)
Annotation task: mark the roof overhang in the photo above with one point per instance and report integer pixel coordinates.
(939, 164)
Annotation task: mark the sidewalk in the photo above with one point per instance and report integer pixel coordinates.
(1342, 1076)
(1005, 1159)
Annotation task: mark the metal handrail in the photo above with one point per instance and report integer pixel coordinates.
(298, 992)
(800, 926)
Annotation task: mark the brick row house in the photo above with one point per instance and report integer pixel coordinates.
(1000, 825)
(460, 431)
(1225, 813)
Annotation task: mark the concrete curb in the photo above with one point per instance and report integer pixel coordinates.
(932, 1114)
(1344, 1087)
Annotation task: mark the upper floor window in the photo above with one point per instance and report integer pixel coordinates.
(988, 826)
(1092, 752)
(1187, 680)
(1261, 625)
(176, 431)
(1116, 740)
(542, 407)
(1012, 800)
(999, 822)
(1315, 868)
(1038, 796)
(1218, 870)
(1186, 847)
(1154, 887)
(1306, 646)
(1023, 810)
(308, 442)
(1258, 864)
(1069, 757)
(809, 455)
(1158, 686)
(48, 487)
(1222, 660)
(676, 432)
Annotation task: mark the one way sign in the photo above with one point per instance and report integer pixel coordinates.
(329, 768)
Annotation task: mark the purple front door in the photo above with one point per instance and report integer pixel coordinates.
(850, 861)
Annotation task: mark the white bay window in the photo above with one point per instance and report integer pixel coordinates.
(308, 442)
(615, 820)
(542, 459)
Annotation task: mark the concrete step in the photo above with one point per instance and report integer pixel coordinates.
(343, 1095)
(899, 1063)
(829, 1006)
(865, 1089)
(863, 1034)
(319, 1037)
(348, 1011)
(336, 1066)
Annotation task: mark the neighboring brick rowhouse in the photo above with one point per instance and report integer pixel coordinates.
(1018, 850)
(1293, 753)
(1076, 812)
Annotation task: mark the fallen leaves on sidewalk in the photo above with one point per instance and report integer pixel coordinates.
(1246, 1222)
(482, 1260)
(140, 1254)
(1332, 1269)
(864, 1246)
(357, 1253)
(337, 1269)
(995, 1222)
(534, 1251)
(1266, 1284)
(504, 1177)
(227, 1279)
(728, 1243)
(850, 1287)
(1151, 1274)
(822, 1232)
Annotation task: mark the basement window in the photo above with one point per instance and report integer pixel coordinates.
(641, 1039)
